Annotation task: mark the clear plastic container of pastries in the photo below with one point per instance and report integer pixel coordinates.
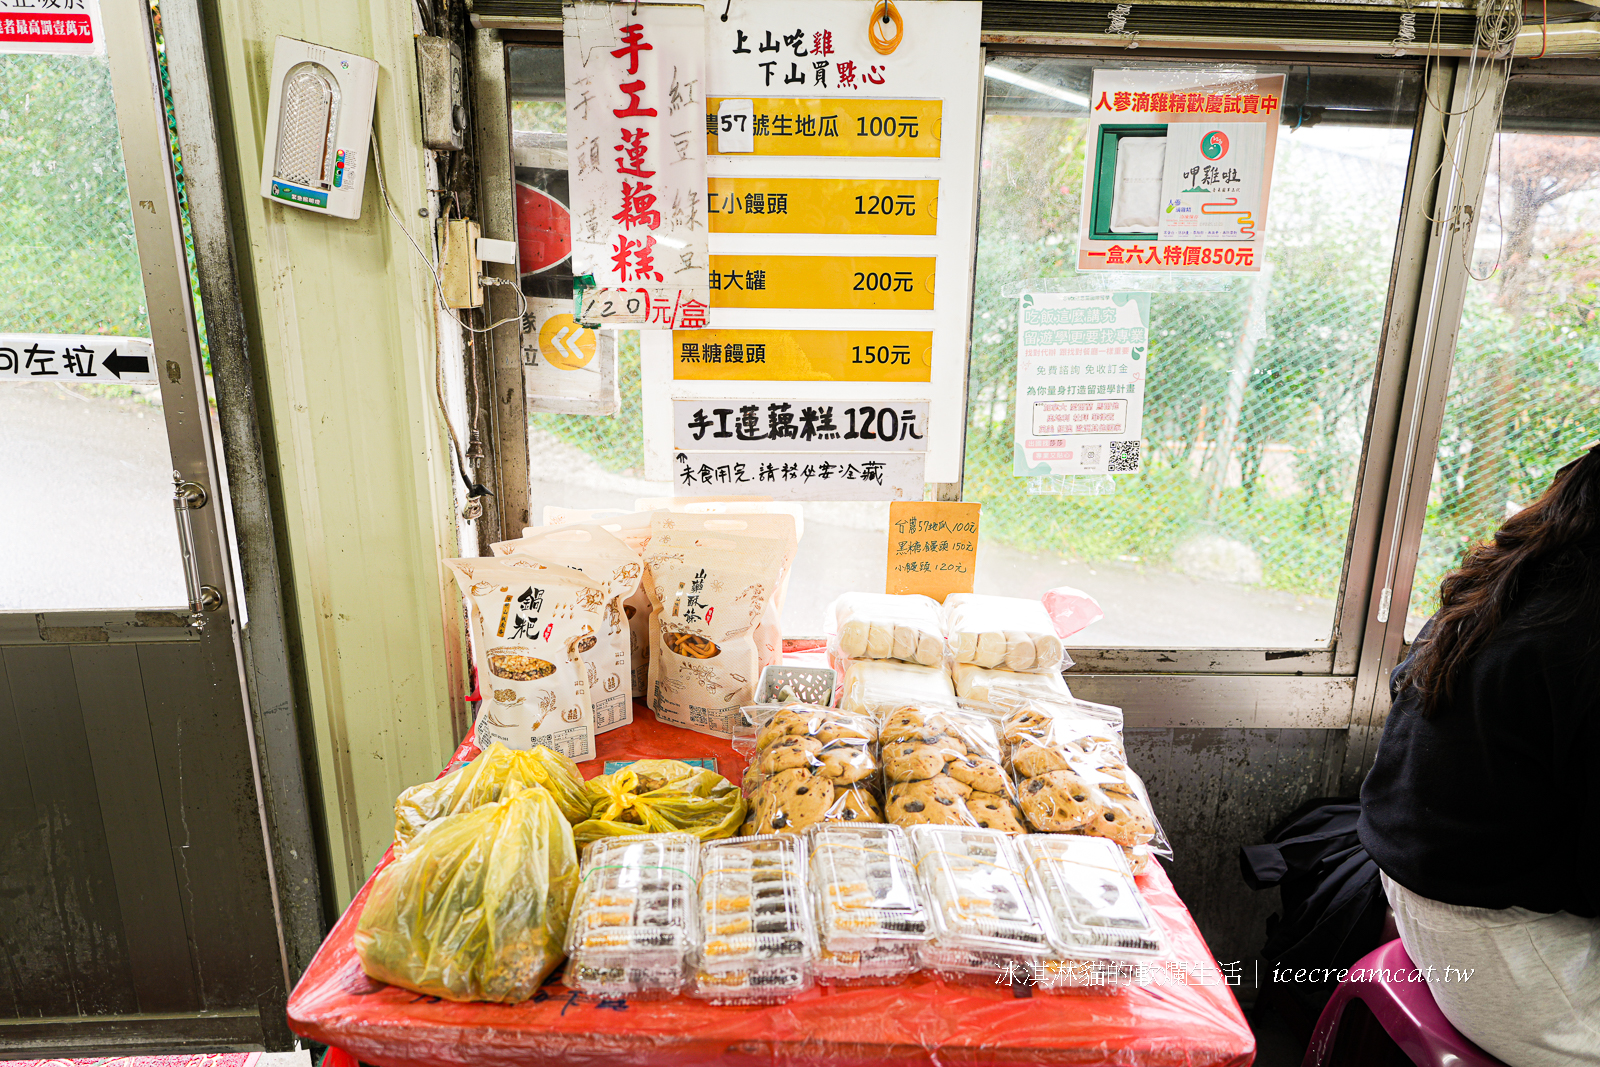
(808, 764)
(986, 921)
(1072, 775)
(635, 918)
(757, 937)
(886, 626)
(941, 766)
(870, 910)
(1099, 926)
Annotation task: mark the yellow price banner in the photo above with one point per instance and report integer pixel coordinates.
(878, 283)
(894, 206)
(836, 126)
(803, 355)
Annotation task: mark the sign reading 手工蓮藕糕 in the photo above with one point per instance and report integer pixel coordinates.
(1178, 170)
(841, 201)
(784, 425)
(54, 27)
(30, 357)
(636, 151)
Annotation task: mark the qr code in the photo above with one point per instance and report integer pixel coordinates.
(1124, 456)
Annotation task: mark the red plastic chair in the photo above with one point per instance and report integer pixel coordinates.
(1406, 1010)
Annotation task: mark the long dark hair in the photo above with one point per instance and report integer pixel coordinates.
(1475, 598)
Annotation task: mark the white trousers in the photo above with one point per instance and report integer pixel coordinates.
(1524, 985)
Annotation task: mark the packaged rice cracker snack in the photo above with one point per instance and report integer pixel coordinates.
(711, 624)
(634, 530)
(603, 556)
(531, 622)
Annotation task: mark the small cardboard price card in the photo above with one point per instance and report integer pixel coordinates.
(933, 547)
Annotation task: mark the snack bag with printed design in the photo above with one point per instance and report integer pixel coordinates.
(634, 530)
(711, 631)
(531, 622)
(603, 556)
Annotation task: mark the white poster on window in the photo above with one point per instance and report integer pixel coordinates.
(54, 27)
(1178, 169)
(1082, 360)
(636, 146)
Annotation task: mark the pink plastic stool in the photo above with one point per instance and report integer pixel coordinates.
(1405, 1009)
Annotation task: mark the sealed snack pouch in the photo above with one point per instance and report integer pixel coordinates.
(531, 622)
(773, 522)
(634, 530)
(941, 765)
(1001, 631)
(603, 556)
(808, 764)
(1072, 774)
(477, 907)
(496, 773)
(710, 629)
(876, 687)
(975, 683)
(886, 626)
(659, 796)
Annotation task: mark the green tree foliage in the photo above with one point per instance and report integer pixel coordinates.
(67, 250)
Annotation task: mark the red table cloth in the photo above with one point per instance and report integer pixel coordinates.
(1187, 1016)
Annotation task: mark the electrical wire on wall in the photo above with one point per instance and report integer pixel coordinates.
(1499, 23)
(474, 489)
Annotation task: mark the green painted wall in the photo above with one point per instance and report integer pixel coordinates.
(345, 338)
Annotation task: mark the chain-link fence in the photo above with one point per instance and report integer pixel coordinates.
(67, 252)
(1525, 386)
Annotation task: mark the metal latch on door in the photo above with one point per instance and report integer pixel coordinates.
(189, 497)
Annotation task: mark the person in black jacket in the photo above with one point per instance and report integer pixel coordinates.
(1483, 804)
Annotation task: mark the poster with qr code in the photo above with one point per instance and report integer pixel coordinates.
(1082, 359)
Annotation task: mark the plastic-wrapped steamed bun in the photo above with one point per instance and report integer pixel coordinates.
(1011, 633)
(884, 626)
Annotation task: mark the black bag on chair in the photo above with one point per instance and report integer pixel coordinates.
(1333, 903)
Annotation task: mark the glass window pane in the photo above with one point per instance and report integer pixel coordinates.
(1233, 533)
(88, 476)
(583, 461)
(1526, 371)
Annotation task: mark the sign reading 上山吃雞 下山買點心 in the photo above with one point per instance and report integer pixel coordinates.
(841, 189)
(1178, 170)
(637, 165)
(1082, 362)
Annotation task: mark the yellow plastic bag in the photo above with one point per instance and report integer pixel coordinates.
(488, 778)
(477, 907)
(659, 796)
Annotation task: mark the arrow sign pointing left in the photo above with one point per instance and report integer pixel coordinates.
(40, 357)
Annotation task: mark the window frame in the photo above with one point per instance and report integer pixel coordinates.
(1331, 687)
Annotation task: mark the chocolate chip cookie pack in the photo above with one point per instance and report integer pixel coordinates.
(808, 764)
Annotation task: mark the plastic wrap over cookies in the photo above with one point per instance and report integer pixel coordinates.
(477, 908)
(941, 766)
(808, 764)
(1072, 775)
